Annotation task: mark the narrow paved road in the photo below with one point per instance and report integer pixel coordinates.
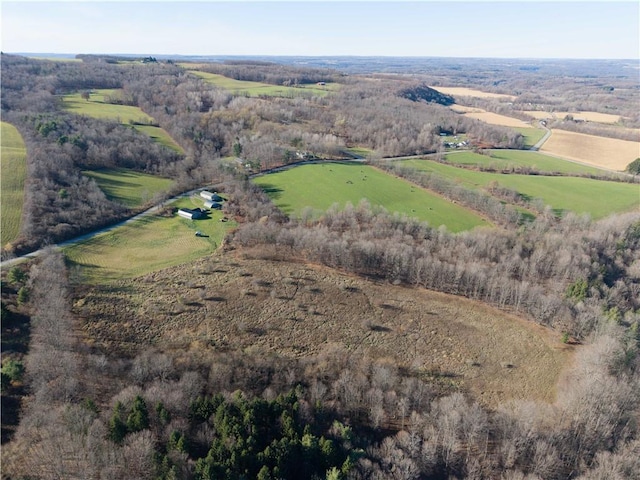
(82, 238)
(547, 134)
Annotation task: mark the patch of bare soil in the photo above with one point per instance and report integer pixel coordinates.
(232, 303)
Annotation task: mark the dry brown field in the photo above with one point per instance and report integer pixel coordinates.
(470, 92)
(232, 302)
(602, 152)
(497, 119)
(586, 116)
(463, 109)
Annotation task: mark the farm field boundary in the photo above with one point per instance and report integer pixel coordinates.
(96, 107)
(575, 194)
(129, 187)
(14, 172)
(148, 244)
(609, 153)
(342, 183)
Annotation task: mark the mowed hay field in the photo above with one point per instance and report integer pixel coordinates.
(96, 107)
(13, 153)
(586, 116)
(146, 245)
(497, 119)
(128, 187)
(321, 185)
(254, 89)
(233, 303)
(507, 159)
(470, 92)
(603, 152)
(597, 198)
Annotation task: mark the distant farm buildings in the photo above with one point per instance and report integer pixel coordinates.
(212, 204)
(211, 196)
(191, 213)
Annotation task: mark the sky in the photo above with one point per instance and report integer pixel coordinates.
(500, 29)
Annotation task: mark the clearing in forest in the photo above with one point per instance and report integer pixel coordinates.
(232, 303)
(256, 89)
(598, 198)
(13, 155)
(98, 106)
(129, 187)
(602, 152)
(318, 187)
(470, 92)
(146, 245)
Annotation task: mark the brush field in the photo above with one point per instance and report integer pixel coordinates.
(232, 302)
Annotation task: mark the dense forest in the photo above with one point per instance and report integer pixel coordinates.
(88, 412)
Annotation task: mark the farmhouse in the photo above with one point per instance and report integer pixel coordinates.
(191, 213)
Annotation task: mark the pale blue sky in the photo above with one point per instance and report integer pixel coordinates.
(524, 29)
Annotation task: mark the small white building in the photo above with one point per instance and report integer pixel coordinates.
(207, 195)
(191, 214)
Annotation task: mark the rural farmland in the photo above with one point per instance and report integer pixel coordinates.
(601, 152)
(14, 171)
(342, 183)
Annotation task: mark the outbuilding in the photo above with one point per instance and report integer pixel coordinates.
(191, 213)
(207, 195)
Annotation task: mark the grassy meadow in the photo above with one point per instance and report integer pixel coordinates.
(255, 89)
(128, 187)
(531, 135)
(320, 186)
(580, 195)
(504, 159)
(96, 107)
(13, 155)
(147, 245)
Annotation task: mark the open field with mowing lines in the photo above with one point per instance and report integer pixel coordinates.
(128, 187)
(504, 159)
(230, 302)
(497, 119)
(586, 116)
(126, 114)
(320, 186)
(531, 135)
(255, 89)
(147, 245)
(13, 155)
(470, 92)
(602, 152)
(580, 195)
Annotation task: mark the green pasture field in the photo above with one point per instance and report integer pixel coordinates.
(319, 186)
(13, 153)
(147, 245)
(128, 187)
(360, 151)
(531, 135)
(598, 198)
(96, 107)
(255, 89)
(520, 158)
